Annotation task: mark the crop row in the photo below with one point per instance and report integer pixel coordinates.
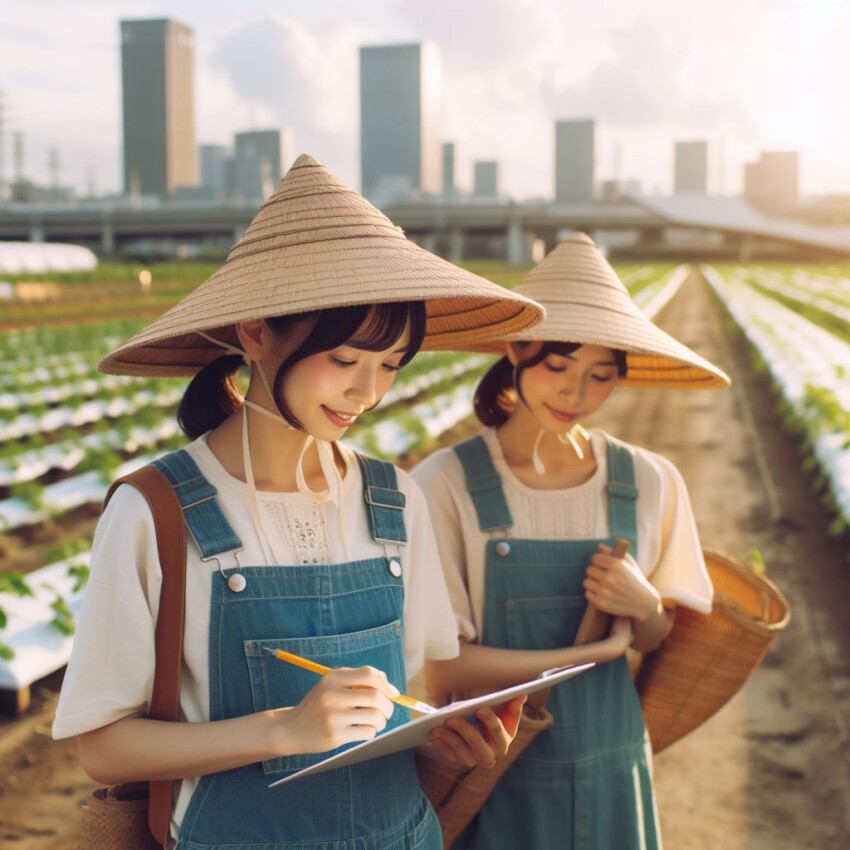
(810, 367)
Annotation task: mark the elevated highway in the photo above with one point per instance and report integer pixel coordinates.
(459, 228)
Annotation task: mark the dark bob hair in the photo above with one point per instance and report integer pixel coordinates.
(498, 390)
(212, 396)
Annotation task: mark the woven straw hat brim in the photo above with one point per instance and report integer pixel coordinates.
(316, 244)
(587, 303)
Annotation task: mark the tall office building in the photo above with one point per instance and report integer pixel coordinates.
(158, 92)
(450, 187)
(690, 168)
(259, 162)
(400, 119)
(772, 184)
(574, 161)
(216, 163)
(485, 179)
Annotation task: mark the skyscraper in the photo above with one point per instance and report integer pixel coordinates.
(216, 162)
(259, 159)
(690, 168)
(400, 119)
(450, 187)
(157, 76)
(574, 161)
(772, 184)
(485, 179)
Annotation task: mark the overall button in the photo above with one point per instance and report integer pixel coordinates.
(503, 548)
(237, 582)
(395, 567)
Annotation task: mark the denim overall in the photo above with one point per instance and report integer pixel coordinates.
(338, 615)
(585, 783)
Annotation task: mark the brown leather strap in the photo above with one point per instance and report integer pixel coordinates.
(171, 548)
(595, 624)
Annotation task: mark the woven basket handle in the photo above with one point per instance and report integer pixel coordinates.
(595, 624)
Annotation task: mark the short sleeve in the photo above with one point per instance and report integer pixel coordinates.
(110, 672)
(441, 493)
(429, 624)
(680, 575)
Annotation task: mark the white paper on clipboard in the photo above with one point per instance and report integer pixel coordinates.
(415, 732)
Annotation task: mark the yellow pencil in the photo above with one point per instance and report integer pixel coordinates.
(306, 664)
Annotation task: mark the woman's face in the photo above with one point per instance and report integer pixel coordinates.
(563, 389)
(326, 392)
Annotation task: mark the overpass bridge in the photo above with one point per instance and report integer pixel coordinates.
(461, 228)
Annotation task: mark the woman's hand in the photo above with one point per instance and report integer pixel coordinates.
(617, 586)
(483, 742)
(347, 705)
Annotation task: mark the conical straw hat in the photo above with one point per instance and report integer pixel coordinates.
(587, 303)
(317, 244)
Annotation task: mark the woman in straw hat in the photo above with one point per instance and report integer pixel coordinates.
(296, 543)
(527, 514)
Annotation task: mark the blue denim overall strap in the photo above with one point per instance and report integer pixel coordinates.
(206, 523)
(384, 501)
(484, 485)
(339, 615)
(585, 784)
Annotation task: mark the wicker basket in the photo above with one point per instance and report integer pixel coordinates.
(457, 792)
(706, 659)
(116, 818)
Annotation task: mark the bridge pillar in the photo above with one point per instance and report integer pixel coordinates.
(36, 231)
(745, 249)
(107, 238)
(456, 245)
(428, 241)
(518, 244)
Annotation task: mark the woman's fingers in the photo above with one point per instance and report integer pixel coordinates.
(510, 713)
(482, 740)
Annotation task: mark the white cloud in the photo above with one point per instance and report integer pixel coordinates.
(283, 72)
(63, 90)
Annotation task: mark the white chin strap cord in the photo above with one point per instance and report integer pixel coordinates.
(323, 447)
(564, 439)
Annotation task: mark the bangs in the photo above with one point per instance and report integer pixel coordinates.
(368, 327)
(384, 324)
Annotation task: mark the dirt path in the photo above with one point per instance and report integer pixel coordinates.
(771, 771)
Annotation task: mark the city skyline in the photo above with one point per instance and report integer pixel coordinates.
(748, 76)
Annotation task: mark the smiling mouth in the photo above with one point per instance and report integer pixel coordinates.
(340, 418)
(563, 415)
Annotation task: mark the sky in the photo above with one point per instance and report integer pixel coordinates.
(744, 75)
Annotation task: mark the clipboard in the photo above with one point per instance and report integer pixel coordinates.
(415, 732)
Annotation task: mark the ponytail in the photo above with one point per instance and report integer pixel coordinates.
(211, 397)
(495, 397)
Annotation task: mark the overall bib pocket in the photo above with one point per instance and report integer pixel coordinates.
(277, 684)
(546, 622)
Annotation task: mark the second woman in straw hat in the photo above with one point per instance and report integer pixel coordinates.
(528, 513)
(296, 543)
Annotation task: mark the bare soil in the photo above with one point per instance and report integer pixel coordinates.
(771, 770)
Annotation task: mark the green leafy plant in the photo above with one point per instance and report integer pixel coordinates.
(63, 619)
(14, 584)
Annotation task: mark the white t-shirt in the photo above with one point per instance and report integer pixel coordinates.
(110, 674)
(575, 513)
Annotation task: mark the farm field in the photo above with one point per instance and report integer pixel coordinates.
(66, 430)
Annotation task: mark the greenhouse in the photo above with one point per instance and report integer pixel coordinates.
(38, 257)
